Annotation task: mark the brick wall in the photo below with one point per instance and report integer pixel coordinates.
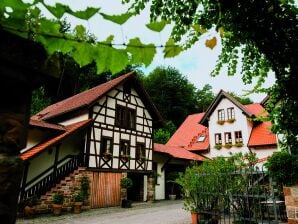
(291, 200)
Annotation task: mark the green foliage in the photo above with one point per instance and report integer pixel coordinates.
(201, 183)
(171, 92)
(282, 167)
(78, 196)
(171, 49)
(243, 100)
(157, 26)
(140, 50)
(126, 182)
(162, 135)
(261, 35)
(85, 185)
(39, 100)
(119, 19)
(204, 97)
(58, 198)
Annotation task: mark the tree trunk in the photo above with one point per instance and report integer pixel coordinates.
(10, 178)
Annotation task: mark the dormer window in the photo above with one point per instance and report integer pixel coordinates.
(231, 113)
(201, 138)
(221, 114)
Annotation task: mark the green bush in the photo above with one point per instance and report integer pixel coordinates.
(85, 184)
(126, 182)
(78, 196)
(283, 168)
(58, 198)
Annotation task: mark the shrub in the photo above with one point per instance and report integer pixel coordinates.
(85, 187)
(282, 167)
(58, 198)
(126, 182)
(78, 196)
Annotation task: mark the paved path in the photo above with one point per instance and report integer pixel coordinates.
(162, 212)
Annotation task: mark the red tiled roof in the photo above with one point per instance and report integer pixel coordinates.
(43, 124)
(40, 147)
(261, 135)
(256, 109)
(177, 152)
(222, 94)
(80, 100)
(188, 132)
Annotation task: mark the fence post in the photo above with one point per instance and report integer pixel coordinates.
(273, 200)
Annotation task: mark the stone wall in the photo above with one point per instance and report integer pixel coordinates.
(291, 200)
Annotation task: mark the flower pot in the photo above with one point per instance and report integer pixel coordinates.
(126, 203)
(57, 209)
(172, 196)
(194, 217)
(77, 207)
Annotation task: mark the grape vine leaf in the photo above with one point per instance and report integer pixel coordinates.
(58, 10)
(157, 26)
(85, 14)
(171, 49)
(140, 52)
(108, 58)
(119, 19)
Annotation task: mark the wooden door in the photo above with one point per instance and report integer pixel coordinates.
(105, 190)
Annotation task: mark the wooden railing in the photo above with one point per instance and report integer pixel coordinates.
(50, 177)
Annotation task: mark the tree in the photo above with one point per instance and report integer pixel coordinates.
(171, 92)
(162, 135)
(243, 100)
(263, 34)
(204, 97)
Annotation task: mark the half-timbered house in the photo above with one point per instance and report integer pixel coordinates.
(108, 130)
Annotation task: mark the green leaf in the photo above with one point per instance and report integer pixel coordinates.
(53, 45)
(198, 28)
(171, 49)
(119, 19)
(49, 27)
(141, 53)
(85, 14)
(80, 31)
(109, 59)
(83, 53)
(58, 10)
(157, 26)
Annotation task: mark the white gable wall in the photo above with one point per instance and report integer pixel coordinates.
(104, 115)
(240, 124)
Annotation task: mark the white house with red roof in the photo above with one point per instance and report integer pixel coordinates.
(108, 130)
(106, 133)
(226, 127)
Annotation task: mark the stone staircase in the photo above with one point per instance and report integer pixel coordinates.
(67, 185)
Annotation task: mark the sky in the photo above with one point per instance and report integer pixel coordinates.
(196, 63)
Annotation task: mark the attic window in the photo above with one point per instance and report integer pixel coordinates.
(202, 138)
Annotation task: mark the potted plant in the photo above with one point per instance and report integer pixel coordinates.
(77, 201)
(58, 199)
(85, 185)
(29, 205)
(171, 178)
(126, 183)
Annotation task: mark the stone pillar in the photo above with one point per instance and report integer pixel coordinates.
(123, 190)
(150, 188)
(291, 201)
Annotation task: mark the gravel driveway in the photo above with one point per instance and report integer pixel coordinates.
(161, 212)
